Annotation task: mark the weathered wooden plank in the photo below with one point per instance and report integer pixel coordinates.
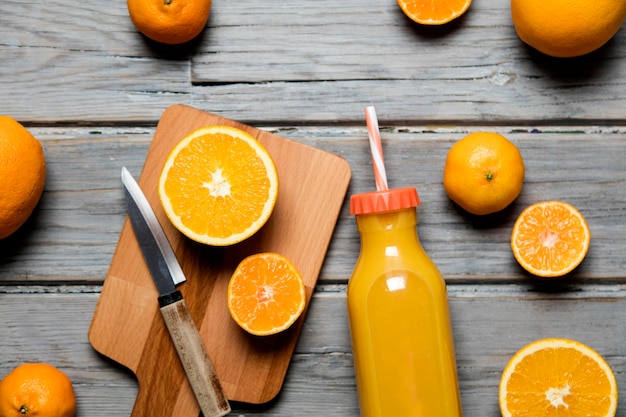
(326, 41)
(74, 231)
(323, 62)
(305, 70)
(52, 327)
(84, 62)
(298, 61)
(86, 87)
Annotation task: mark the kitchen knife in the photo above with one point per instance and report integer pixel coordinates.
(166, 273)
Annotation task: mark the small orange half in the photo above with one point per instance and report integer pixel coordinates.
(218, 185)
(550, 238)
(555, 378)
(266, 294)
(434, 12)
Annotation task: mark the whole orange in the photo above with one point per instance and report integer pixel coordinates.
(483, 173)
(37, 389)
(22, 174)
(169, 21)
(567, 28)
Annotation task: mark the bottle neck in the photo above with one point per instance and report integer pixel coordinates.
(387, 227)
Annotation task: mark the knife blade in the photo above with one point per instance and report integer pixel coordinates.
(167, 273)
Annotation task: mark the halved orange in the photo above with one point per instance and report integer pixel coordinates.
(219, 185)
(266, 294)
(557, 377)
(550, 238)
(434, 12)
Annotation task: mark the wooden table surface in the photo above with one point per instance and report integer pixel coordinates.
(92, 89)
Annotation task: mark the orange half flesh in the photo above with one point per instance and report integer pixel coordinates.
(550, 238)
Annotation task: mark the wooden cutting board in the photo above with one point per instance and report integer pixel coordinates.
(127, 326)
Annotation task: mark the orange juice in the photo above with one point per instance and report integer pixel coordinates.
(399, 318)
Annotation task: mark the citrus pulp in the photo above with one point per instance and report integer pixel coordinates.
(550, 238)
(218, 185)
(266, 294)
(557, 377)
(433, 12)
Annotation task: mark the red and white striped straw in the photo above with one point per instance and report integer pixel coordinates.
(380, 174)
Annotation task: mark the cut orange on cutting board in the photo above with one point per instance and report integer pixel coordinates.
(434, 12)
(550, 238)
(557, 377)
(266, 294)
(219, 185)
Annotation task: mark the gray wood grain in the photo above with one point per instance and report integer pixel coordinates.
(306, 62)
(92, 89)
(73, 232)
(51, 327)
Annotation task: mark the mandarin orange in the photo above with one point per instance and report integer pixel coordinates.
(550, 238)
(22, 175)
(434, 12)
(567, 28)
(266, 294)
(37, 390)
(483, 173)
(169, 21)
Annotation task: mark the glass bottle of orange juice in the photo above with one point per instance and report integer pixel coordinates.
(398, 312)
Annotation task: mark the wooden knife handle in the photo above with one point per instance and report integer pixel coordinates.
(194, 357)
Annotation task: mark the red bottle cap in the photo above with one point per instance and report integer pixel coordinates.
(387, 200)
